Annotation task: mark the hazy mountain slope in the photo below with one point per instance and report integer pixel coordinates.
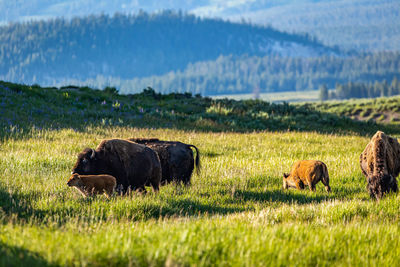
(372, 25)
(358, 24)
(133, 46)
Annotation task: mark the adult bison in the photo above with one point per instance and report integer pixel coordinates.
(132, 164)
(177, 161)
(380, 164)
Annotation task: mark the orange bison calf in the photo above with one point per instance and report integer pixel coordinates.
(307, 172)
(90, 185)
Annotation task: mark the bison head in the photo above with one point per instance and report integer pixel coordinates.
(285, 184)
(87, 163)
(290, 181)
(74, 180)
(379, 185)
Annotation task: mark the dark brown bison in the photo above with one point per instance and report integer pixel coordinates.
(380, 164)
(132, 164)
(307, 172)
(176, 159)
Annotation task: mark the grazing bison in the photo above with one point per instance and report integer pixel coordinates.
(176, 159)
(380, 164)
(133, 165)
(307, 172)
(90, 185)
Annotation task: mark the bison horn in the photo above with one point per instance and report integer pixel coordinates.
(93, 154)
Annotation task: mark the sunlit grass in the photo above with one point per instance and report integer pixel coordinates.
(235, 212)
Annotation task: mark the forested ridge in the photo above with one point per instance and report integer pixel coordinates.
(361, 90)
(246, 74)
(128, 46)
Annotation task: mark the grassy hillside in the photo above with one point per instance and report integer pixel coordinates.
(234, 214)
(59, 108)
(383, 110)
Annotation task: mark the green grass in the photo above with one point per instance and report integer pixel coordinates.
(234, 214)
(384, 109)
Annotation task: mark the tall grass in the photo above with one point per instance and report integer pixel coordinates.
(234, 214)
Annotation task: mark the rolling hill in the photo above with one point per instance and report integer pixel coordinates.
(127, 47)
(81, 107)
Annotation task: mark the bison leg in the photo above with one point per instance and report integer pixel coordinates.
(325, 181)
(109, 193)
(187, 174)
(311, 186)
(182, 172)
(285, 185)
(328, 188)
(156, 179)
(91, 192)
(299, 184)
(155, 186)
(394, 187)
(141, 190)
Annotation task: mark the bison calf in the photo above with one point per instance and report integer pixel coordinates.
(380, 164)
(90, 185)
(307, 172)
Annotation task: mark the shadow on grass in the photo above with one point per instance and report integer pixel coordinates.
(211, 154)
(17, 256)
(17, 205)
(283, 196)
(240, 202)
(187, 207)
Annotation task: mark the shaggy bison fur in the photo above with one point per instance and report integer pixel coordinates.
(133, 165)
(307, 172)
(90, 185)
(176, 159)
(380, 164)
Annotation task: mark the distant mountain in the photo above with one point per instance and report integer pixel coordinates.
(127, 47)
(371, 25)
(368, 25)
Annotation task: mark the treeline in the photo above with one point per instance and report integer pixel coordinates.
(246, 74)
(361, 90)
(128, 46)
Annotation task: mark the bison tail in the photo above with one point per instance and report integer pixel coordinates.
(197, 160)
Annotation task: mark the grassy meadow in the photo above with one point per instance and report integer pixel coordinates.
(234, 214)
